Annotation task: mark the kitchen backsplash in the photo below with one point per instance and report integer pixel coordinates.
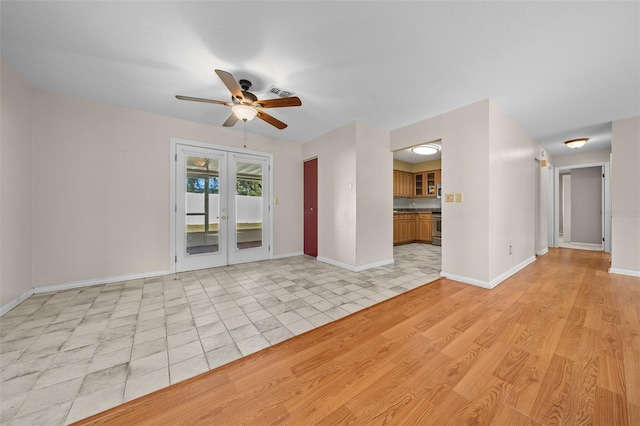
(419, 203)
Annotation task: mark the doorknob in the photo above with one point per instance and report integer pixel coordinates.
(223, 217)
(311, 208)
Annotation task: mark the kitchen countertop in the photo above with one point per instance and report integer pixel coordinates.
(414, 210)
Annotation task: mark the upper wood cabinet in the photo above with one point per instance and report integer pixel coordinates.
(402, 184)
(432, 179)
(419, 187)
(420, 184)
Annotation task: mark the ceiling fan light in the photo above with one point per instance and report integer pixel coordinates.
(425, 149)
(244, 112)
(576, 143)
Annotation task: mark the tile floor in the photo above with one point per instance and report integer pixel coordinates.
(67, 355)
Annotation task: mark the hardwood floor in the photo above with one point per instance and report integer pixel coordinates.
(557, 343)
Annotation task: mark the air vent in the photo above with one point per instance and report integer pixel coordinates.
(279, 93)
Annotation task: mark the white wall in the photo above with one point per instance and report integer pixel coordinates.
(16, 187)
(374, 200)
(336, 153)
(625, 196)
(576, 158)
(464, 133)
(511, 194)
(489, 159)
(355, 190)
(102, 208)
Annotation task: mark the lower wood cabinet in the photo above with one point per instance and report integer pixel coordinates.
(410, 227)
(423, 227)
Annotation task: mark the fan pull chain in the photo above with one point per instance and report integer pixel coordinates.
(245, 134)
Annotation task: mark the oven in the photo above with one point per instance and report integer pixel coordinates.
(436, 228)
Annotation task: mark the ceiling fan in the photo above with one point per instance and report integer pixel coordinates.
(244, 104)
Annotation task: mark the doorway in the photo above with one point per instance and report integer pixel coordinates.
(582, 200)
(221, 209)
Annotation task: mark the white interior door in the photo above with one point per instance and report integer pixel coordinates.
(222, 208)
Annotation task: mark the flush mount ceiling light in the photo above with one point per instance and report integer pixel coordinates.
(244, 112)
(576, 143)
(425, 149)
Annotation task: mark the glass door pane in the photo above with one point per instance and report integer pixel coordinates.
(249, 203)
(202, 221)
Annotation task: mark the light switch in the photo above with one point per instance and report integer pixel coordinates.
(275, 201)
(459, 197)
(448, 198)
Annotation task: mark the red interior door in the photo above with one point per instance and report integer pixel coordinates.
(311, 207)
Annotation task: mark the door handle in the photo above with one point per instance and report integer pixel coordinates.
(223, 217)
(311, 208)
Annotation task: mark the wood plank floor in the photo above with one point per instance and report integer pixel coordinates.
(557, 343)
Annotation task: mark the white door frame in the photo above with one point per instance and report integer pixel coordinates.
(173, 143)
(606, 202)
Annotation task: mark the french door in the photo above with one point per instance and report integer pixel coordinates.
(221, 209)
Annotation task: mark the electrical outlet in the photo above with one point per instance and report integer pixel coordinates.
(448, 198)
(459, 197)
(510, 249)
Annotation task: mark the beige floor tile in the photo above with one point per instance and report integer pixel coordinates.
(149, 348)
(146, 383)
(148, 364)
(188, 368)
(185, 322)
(110, 359)
(252, 344)
(62, 373)
(51, 396)
(54, 415)
(184, 352)
(105, 378)
(223, 355)
(95, 402)
(179, 339)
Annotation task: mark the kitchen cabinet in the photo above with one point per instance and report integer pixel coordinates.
(404, 228)
(411, 227)
(419, 186)
(402, 184)
(423, 227)
(432, 179)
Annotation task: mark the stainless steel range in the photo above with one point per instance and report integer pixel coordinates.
(436, 228)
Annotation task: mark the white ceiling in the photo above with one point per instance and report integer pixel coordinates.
(562, 70)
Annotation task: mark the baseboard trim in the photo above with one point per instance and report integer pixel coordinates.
(98, 281)
(494, 282)
(465, 280)
(543, 251)
(282, 256)
(356, 268)
(15, 302)
(629, 272)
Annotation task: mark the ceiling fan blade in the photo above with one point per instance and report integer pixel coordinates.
(209, 101)
(280, 102)
(231, 84)
(271, 120)
(231, 121)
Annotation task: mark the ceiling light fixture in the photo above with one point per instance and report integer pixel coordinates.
(425, 149)
(576, 143)
(244, 112)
